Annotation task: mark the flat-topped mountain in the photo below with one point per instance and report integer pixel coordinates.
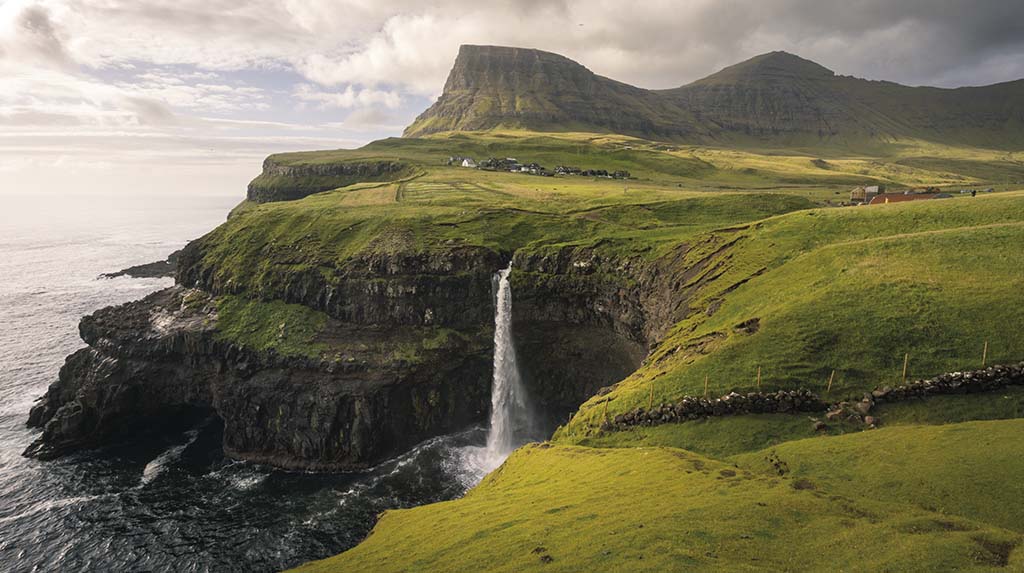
(491, 87)
(775, 98)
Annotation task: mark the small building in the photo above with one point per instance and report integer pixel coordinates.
(469, 162)
(866, 194)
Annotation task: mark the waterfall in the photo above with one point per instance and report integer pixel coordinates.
(511, 423)
(509, 412)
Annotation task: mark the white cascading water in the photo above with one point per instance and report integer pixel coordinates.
(511, 424)
(508, 399)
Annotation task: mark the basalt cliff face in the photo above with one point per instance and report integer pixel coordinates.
(159, 359)
(163, 356)
(164, 359)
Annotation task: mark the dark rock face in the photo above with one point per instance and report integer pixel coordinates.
(448, 288)
(280, 182)
(584, 321)
(581, 322)
(157, 358)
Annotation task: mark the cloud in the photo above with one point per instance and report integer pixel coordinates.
(350, 97)
(277, 70)
(28, 36)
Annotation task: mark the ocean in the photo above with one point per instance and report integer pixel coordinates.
(160, 502)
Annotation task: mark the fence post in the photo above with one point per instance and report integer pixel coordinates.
(984, 354)
(906, 360)
(759, 378)
(650, 402)
(830, 379)
(705, 385)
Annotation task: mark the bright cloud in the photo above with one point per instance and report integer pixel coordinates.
(230, 80)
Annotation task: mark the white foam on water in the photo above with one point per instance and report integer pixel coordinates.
(158, 464)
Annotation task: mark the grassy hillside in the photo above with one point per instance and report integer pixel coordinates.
(850, 290)
(908, 163)
(959, 469)
(661, 509)
(768, 274)
(676, 194)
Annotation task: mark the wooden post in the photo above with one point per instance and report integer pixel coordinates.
(984, 354)
(705, 385)
(830, 379)
(650, 402)
(906, 360)
(758, 377)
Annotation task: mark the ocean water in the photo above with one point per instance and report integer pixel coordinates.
(162, 502)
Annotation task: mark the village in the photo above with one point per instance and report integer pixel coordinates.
(861, 195)
(512, 165)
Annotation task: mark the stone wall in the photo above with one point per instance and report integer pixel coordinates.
(793, 401)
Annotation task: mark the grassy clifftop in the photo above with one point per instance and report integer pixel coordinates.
(562, 508)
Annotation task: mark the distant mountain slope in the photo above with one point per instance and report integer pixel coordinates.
(491, 86)
(778, 94)
(772, 98)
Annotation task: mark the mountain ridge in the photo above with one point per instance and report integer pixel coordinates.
(774, 98)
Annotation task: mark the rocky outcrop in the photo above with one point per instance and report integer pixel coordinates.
(287, 182)
(157, 269)
(158, 359)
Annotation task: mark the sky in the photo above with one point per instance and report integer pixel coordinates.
(188, 96)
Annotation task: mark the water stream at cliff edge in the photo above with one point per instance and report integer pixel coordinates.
(511, 420)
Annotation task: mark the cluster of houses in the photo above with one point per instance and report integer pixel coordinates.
(512, 165)
(877, 195)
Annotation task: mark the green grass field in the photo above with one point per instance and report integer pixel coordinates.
(851, 290)
(841, 507)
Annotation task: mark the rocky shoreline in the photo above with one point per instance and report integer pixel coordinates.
(155, 270)
(157, 360)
